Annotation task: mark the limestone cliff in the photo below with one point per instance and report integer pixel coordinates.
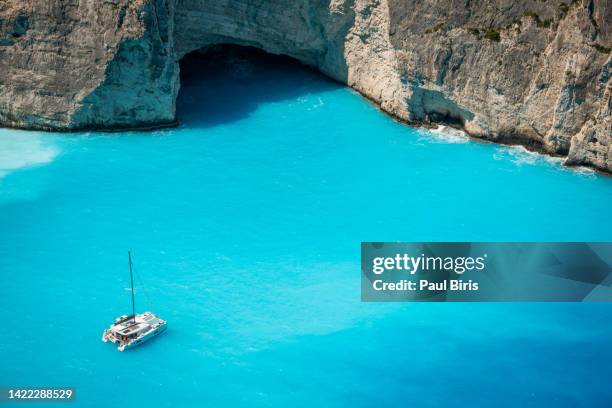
(534, 72)
(68, 64)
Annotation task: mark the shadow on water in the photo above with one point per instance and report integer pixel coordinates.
(227, 84)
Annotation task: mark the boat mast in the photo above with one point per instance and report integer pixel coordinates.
(132, 284)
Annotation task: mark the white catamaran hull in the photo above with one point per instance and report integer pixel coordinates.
(130, 331)
(149, 336)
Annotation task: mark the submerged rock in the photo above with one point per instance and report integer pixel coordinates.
(522, 72)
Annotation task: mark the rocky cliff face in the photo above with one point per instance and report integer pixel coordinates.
(534, 72)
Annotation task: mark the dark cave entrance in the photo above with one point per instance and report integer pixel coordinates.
(225, 83)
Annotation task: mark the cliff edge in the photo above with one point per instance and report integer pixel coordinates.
(528, 72)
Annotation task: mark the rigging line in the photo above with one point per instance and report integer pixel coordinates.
(144, 292)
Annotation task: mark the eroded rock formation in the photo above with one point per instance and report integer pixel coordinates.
(514, 71)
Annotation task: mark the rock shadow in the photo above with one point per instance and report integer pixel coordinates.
(226, 83)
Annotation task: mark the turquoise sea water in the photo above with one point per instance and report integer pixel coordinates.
(245, 224)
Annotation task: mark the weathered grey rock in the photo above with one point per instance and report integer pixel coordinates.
(67, 64)
(513, 71)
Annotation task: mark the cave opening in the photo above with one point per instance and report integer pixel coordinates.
(225, 83)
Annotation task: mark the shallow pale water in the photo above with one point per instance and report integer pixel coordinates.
(245, 224)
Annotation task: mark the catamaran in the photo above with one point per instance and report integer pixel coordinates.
(129, 331)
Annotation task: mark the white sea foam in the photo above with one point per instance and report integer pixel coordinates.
(446, 134)
(20, 150)
(520, 156)
(583, 171)
(318, 104)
